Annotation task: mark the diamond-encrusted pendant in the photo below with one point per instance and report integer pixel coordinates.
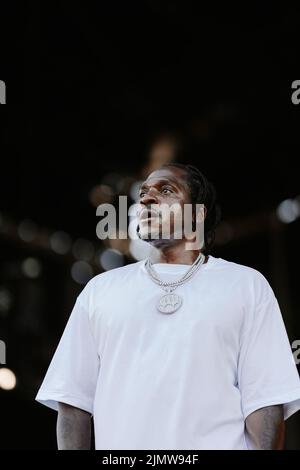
(169, 303)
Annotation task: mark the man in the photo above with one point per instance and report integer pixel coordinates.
(184, 351)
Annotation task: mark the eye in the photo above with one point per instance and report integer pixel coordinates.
(167, 191)
(142, 194)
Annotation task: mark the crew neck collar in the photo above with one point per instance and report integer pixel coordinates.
(175, 267)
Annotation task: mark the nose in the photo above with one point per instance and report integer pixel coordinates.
(149, 198)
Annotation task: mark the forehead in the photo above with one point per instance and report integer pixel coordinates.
(172, 174)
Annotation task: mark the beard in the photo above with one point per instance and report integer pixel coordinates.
(156, 237)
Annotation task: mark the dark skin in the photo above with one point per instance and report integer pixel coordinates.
(73, 429)
(168, 186)
(265, 427)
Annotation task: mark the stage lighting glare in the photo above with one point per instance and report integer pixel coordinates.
(31, 267)
(288, 211)
(8, 379)
(111, 258)
(60, 242)
(27, 230)
(81, 272)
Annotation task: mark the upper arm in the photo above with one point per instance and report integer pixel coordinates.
(73, 428)
(266, 428)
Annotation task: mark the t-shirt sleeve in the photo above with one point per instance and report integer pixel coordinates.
(72, 375)
(267, 374)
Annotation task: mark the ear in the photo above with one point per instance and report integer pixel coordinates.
(201, 213)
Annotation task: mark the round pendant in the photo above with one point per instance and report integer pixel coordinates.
(169, 303)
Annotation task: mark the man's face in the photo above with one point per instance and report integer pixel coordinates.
(163, 189)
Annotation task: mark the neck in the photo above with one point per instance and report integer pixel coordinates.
(175, 255)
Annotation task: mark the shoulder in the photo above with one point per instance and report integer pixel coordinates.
(103, 281)
(115, 274)
(246, 277)
(236, 268)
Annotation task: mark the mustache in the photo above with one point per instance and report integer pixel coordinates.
(149, 210)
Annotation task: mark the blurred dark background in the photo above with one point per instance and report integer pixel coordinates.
(99, 95)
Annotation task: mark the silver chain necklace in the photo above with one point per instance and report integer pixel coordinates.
(170, 302)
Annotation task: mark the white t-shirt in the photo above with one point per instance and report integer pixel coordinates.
(185, 380)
